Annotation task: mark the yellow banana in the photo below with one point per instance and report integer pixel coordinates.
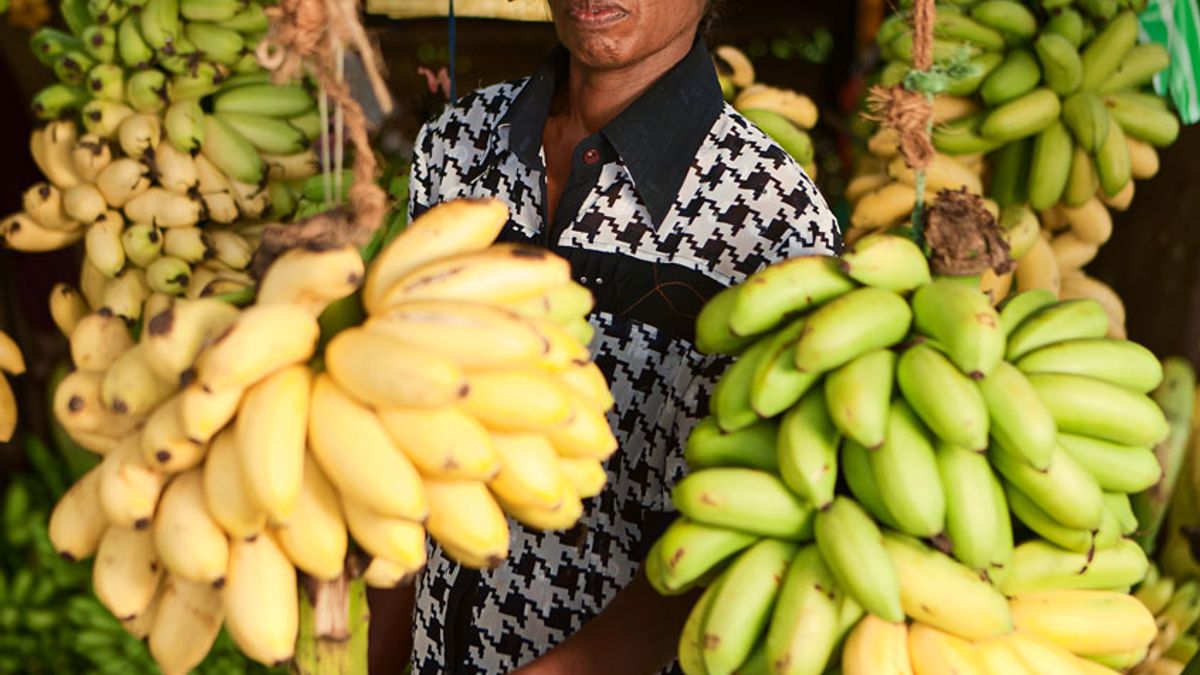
(315, 540)
(358, 455)
(501, 273)
(517, 400)
(271, 431)
(312, 279)
(122, 181)
(262, 610)
(877, 647)
(943, 173)
(67, 307)
(157, 206)
(165, 445)
(204, 413)
(796, 107)
(884, 206)
(585, 475)
(382, 371)
(586, 434)
(126, 572)
(935, 652)
(1143, 159)
(97, 341)
(451, 228)
(1090, 222)
(43, 203)
(384, 573)
(529, 475)
(588, 380)
(19, 232)
(8, 411)
(227, 492)
(131, 386)
(52, 148)
(78, 407)
(451, 329)
(190, 543)
(263, 339)
(467, 522)
(186, 622)
(1071, 252)
(1039, 269)
(176, 171)
(395, 539)
(129, 487)
(77, 521)
(1085, 622)
(125, 295)
(442, 442)
(1039, 655)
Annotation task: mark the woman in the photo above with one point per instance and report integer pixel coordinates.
(620, 155)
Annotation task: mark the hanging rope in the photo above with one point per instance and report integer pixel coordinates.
(453, 47)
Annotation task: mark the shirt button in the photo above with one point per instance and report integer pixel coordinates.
(591, 156)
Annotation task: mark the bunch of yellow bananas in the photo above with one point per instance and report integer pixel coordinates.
(783, 114)
(12, 362)
(947, 418)
(233, 457)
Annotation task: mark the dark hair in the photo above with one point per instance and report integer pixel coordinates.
(714, 10)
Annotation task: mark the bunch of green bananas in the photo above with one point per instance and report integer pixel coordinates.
(784, 115)
(1176, 606)
(901, 422)
(1057, 100)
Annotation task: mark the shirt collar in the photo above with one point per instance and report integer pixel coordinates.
(657, 136)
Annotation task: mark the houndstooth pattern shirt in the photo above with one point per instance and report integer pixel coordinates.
(675, 199)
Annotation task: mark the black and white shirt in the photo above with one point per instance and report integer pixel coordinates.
(676, 198)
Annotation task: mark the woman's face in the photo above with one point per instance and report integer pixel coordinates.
(610, 34)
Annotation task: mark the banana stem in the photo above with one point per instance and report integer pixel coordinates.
(333, 627)
(323, 111)
(339, 121)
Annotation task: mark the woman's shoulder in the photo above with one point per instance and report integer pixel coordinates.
(482, 108)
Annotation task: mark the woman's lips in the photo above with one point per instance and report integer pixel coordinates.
(596, 14)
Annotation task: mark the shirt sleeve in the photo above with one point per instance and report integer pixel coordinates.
(421, 181)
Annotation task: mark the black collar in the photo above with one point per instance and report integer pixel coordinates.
(657, 136)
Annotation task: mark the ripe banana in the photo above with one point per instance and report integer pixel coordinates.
(1019, 421)
(175, 337)
(586, 434)
(77, 521)
(122, 181)
(442, 442)
(43, 204)
(451, 329)
(517, 400)
(467, 522)
(1085, 622)
(261, 604)
(360, 459)
(853, 548)
(227, 490)
(947, 401)
(131, 386)
(315, 539)
(778, 291)
(529, 476)
(186, 623)
(271, 433)
(1083, 405)
(807, 448)
(395, 539)
(312, 278)
(165, 445)
(263, 339)
(97, 341)
(877, 647)
(936, 652)
(887, 262)
(21, 233)
(190, 543)
(746, 500)
(158, 206)
(67, 308)
(126, 572)
(906, 474)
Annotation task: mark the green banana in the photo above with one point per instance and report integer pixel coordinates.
(1019, 421)
(1022, 117)
(961, 137)
(308, 124)
(1082, 182)
(210, 10)
(981, 67)
(1101, 10)
(230, 152)
(100, 43)
(852, 546)
(1010, 173)
(1118, 505)
(752, 447)
(58, 100)
(1065, 490)
(107, 81)
(860, 478)
(1015, 77)
(1138, 67)
(1011, 18)
(1085, 116)
(252, 19)
(1038, 565)
(937, 590)
(906, 474)
(198, 81)
(794, 140)
(768, 297)
(1062, 321)
(1120, 362)
(803, 630)
(691, 638)
(860, 321)
(739, 612)
(265, 99)
(730, 400)
(1067, 23)
(160, 23)
(184, 125)
(859, 394)
(959, 27)
(1106, 51)
(756, 663)
(268, 134)
(947, 401)
(1155, 125)
(103, 118)
(777, 383)
(1155, 591)
(1061, 64)
(713, 334)
(1002, 543)
(146, 91)
(886, 261)
(691, 550)
(47, 44)
(746, 500)
(1046, 527)
(1021, 306)
(1113, 164)
(215, 42)
(1176, 396)
(808, 448)
(943, 50)
(131, 46)
(1049, 167)
(72, 66)
(971, 518)
(962, 320)
(1082, 405)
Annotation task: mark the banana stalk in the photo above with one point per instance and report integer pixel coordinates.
(1176, 396)
(333, 627)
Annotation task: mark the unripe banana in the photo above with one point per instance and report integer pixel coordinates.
(261, 604)
(467, 522)
(1015, 77)
(142, 243)
(1018, 419)
(1108, 49)
(186, 622)
(146, 91)
(804, 626)
(1021, 306)
(945, 399)
(730, 401)
(1037, 566)
(97, 341)
(224, 147)
(906, 474)
(743, 499)
(786, 288)
(1112, 160)
(126, 573)
(963, 322)
(1082, 181)
(859, 394)
(1012, 19)
(315, 540)
(853, 548)
(401, 541)
(1050, 167)
(1067, 320)
(1121, 468)
(1065, 490)
(858, 322)
(183, 122)
(1046, 527)
(1084, 405)
(807, 447)
(1120, 362)
(1021, 117)
(1137, 68)
(688, 551)
(777, 384)
(169, 275)
(1068, 23)
(1061, 64)
(971, 518)
(752, 447)
(888, 262)
(77, 521)
(860, 478)
(190, 543)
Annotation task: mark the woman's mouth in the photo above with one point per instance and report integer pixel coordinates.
(596, 14)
